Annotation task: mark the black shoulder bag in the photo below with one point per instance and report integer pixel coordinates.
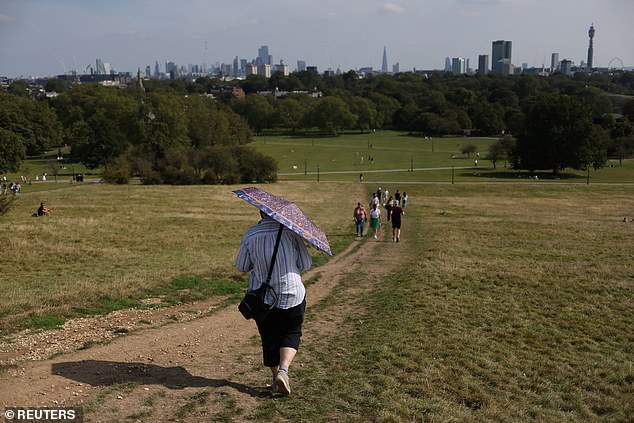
(252, 305)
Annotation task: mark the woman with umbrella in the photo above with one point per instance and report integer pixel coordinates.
(276, 255)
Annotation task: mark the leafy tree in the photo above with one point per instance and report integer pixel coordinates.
(12, 151)
(256, 109)
(331, 114)
(469, 149)
(56, 85)
(386, 108)
(628, 110)
(366, 113)
(209, 124)
(255, 167)
(289, 113)
(621, 148)
(501, 149)
(559, 133)
(19, 88)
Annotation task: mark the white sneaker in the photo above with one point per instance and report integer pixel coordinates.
(374, 236)
(282, 383)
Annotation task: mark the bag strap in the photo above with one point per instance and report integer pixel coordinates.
(273, 257)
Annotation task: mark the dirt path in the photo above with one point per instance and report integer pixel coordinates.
(201, 368)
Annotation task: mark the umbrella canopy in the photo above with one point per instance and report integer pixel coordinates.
(288, 214)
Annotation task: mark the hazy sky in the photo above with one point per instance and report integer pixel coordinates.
(40, 37)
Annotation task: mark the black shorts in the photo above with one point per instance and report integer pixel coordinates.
(396, 225)
(281, 328)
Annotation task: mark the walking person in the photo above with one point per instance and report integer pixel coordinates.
(281, 330)
(388, 207)
(404, 202)
(359, 217)
(397, 212)
(375, 219)
(374, 201)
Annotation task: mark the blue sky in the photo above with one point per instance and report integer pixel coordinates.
(41, 37)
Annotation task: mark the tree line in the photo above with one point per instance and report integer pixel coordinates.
(173, 132)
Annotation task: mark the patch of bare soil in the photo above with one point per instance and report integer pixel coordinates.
(132, 366)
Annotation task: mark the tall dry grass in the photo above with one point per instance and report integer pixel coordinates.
(107, 241)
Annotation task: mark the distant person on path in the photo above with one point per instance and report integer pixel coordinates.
(360, 177)
(43, 210)
(397, 196)
(374, 201)
(375, 219)
(379, 194)
(397, 212)
(281, 330)
(359, 216)
(404, 202)
(388, 207)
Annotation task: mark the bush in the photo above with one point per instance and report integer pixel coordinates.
(118, 171)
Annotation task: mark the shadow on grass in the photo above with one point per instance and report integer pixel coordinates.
(108, 373)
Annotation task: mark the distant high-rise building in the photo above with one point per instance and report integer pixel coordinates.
(264, 70)
(243, 66)
(236, 66)
(282, 68)
(100, 67)
(264, 58)
(251, 69)
(384, 64)
(458, 65)
(483, 64)
(554, 62)
(590, 47)
(566, 67)
(447, 64)
(500, 55)
(301, 65)
(312, 69)
(157, 72)
(396, 68)
(148, 71)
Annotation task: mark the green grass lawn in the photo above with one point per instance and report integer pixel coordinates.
(394, 150)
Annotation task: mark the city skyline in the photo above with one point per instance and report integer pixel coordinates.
(43, 38)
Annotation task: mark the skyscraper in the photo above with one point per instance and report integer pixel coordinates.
(459, 65)
(301, 65)
(447, 64)
(236, 67)
(500, 55)
(554, 62)
(590, 47)
(384, 64)
(483, 64)
(263, 56)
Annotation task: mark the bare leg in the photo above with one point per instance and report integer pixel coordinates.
(287, 355)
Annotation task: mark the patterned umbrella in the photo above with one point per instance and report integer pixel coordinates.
(288, 214)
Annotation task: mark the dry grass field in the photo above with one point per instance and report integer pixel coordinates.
(506, 303)
(105, 246)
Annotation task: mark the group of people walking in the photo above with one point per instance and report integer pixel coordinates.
(394, 207)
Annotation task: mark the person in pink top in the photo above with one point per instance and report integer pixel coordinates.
(359, 218)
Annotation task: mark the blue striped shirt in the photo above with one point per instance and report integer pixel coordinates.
(256, 250)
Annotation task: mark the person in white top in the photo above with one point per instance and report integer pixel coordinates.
(281, 330)
(375, 220)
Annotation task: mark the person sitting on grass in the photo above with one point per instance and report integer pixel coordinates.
(43, 210)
